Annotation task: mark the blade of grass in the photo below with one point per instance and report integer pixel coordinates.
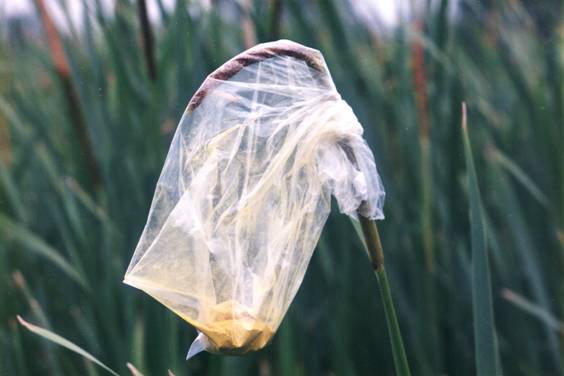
(18, 348)
(50, 336)
(138, 341)
(39, 313)
(5, 142)
(38, 246)
(134, 371)
(528, 252)
(484, 329)
(15, 120)
(8, 186)
(534, 310)
(506, 163)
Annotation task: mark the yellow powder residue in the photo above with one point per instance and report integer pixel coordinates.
(231, 328)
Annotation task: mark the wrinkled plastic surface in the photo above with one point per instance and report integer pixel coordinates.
(245, 192)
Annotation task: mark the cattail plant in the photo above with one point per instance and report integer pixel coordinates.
(63, 71)
(72, 242)
(244, 195)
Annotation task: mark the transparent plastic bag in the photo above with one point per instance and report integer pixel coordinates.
(245, 192)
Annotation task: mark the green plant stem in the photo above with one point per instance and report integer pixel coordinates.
(400, 359)
(376, 254)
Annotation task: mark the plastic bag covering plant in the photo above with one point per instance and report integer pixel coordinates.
(245, 192)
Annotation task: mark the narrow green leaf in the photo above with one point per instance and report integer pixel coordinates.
(534, 310)
(134, 371)
(35, 244)
(138, 342)
(14, 118)
(530, 263)
(50, 336)
(520, 175)
(484, 329)
(9, 187)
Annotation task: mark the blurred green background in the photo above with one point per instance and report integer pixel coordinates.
(84, 130)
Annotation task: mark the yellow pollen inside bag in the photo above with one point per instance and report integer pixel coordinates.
(245, 192)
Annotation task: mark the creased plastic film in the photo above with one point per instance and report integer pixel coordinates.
(245, 192)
